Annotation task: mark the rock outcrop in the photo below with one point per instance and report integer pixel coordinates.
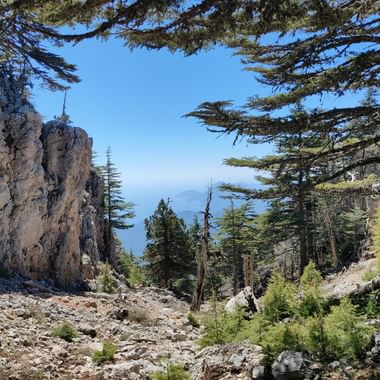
(50, 200)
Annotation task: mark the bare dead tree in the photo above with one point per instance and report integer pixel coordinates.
(203, 257)
(248, 267)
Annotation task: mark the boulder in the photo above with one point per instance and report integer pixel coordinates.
(87, 329)
(245, 299)
(289, 365)
(230, 361)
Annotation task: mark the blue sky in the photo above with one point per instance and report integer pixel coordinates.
(134, 102)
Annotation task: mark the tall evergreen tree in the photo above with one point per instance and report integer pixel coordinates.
(235, 238)
(309, 157)
(168, 252)
(117, 211)
(317, 48)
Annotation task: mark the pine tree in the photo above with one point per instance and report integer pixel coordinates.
(117, 211)
(307, 162)
(331, 33)
(316, 48)
(235, 239)
(168, 252)
(29, 24)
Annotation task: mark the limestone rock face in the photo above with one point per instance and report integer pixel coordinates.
(50, 200)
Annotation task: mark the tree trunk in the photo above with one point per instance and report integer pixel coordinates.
(203, 257)
(330, 233)
(302, 235)
(366, 288)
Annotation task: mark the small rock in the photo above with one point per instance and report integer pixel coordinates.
(258, 373)
(237, 361)
(289, 365)
(334, 365)
(316, 367)
(20, 312)
(120, 314)
(91, 304)
(59, 352)
(178, 337)
(87, 330)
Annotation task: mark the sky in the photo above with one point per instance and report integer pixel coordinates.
(134, 101)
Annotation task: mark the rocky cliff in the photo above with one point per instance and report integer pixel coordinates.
(51, 224)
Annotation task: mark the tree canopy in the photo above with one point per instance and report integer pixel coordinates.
(333, 27)
(169, 253)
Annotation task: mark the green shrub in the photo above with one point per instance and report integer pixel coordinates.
(106, 354)
(173, 372)
(311, 277)
(66, 331)
(279, 300)
(184, 284)
(132, 269)
(213, 322)
(316, 338)
(107, 282)
(369, 274)
(193, 320)
(282, 337)
(347, 335)
(340, 333)
(222, 327)
(311, 303)
(372, 310)
(254, 330)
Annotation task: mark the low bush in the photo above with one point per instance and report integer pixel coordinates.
(287, 336)
(369, 274)
(132, 269)
(173, 372)
(310, 301)
(311, 277)
(327, 331)
(347, 334)
(106, 354)
(279, 300)
(342, 333)
(107, 282)
(222, 327)
(141, 316)
(66, 331)
(193, 320)
(372, 309)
